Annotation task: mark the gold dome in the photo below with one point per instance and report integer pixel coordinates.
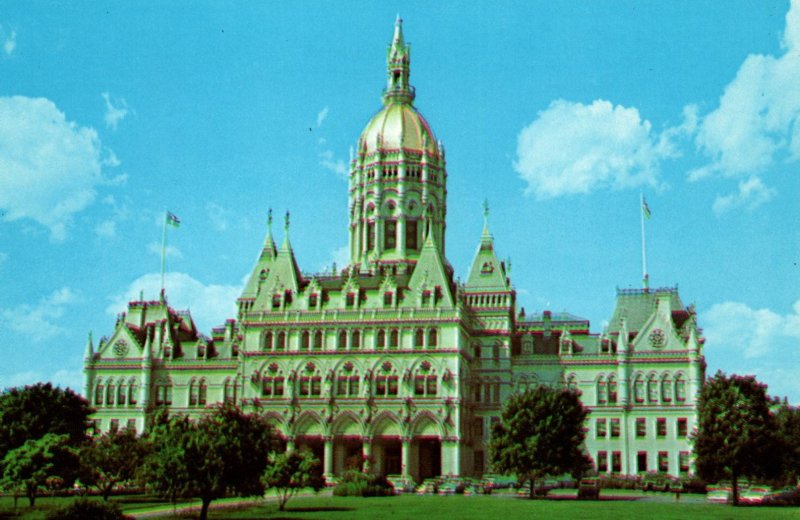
(396, 126)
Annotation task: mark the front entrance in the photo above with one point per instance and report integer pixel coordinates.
(316, 446)
(388, 456)
(347, 454)
(430, 457)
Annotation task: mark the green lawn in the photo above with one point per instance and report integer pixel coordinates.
(413, 507)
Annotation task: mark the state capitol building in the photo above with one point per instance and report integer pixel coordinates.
(391, 357)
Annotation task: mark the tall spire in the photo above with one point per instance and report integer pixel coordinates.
(286, 246)
(398, 68)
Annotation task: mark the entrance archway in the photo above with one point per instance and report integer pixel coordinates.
(429, 457)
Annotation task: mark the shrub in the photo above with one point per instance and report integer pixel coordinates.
(357, 484)
(82, 509)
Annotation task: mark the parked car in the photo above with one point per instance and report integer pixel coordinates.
(755, 495)
(718, 494)
(589, 489)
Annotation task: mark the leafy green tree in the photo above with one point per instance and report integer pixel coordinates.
(30, 466)
(540, 433)
(288, 473)
(735, 434)
(787, 419)
(111, 459)
(33, 411)
(223, 453)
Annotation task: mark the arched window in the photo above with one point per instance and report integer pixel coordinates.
(342, 342)
(133, 392)
(602, 396)
(394, 338)
(228, 391)
(355, 341)
(348, 383)
(111, 393)
(433, 338)
(99, 393)
(202, 393)
(266, 342)
(163, 392)
(271, 385)
(305, 340)
(652, 389)
(281, 341)
(310, 383)
(419, 338)
(680, 388)
(612, 389)
(193, 391)
(122, 393)
(638, 389)
(425, 382)
(318, 340)
(380, 341)
(666, 388)
(386, 383)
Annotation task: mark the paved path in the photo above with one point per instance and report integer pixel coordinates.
(216, 505)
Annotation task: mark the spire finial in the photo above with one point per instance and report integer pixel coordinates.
(486, 213)
(269, 219)
(286, 222)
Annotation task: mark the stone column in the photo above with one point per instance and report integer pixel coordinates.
(366, 452)
(451, 456)
(327, 464)
(405, 452)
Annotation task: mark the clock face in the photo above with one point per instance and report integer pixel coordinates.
(120, 348)
(657, 338)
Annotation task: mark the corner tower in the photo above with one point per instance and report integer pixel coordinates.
(397, 177)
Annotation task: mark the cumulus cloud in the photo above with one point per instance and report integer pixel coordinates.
(38, 322)
(210, 305)
(751, 194)
(339, 257)
(321, 116)
(573, 148)
(217, 215)
(757, 122)
(106, 229)
(736, 328)
(51, 167)
(328, 161)
(169, 251)
(114, 114)
(9, 41)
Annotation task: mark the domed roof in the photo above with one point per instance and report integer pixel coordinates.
(399, 125)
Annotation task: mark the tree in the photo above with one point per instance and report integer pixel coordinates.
(540, 433)
(110, 459)
(223, 453)
(33, 411)
(735, 434)
(288, 473)
(787, 420)
(30, 466)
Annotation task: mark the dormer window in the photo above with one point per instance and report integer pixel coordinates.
(201, 351)
(313, 300)
(388, 297)
(426, 298)
(350, 299)
(276, 301)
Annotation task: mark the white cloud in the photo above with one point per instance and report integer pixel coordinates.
(169, 251)
(217, 216)
(757, 121)
(752, 193)
(114, 114)
(9, 43)
(106, 229)
(328, 161)
(39, 322)
(735, 328)
(574, 148)
(321, 116)
(339, 256)
(210, 305)
(51, 167)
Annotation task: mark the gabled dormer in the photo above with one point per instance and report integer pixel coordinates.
(488, 273)
(430, 278)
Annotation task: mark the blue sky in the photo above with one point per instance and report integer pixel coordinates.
(559, 113)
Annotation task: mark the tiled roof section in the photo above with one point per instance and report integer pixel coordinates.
(636, 306)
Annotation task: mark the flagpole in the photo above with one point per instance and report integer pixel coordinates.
(163, 252)
(645, 277)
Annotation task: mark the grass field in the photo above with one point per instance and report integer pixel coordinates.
(614, 507)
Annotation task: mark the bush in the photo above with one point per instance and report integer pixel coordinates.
(82, 509)
(357, 484)
(611, 481)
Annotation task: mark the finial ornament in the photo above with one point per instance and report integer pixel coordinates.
(269, 217)
(286, 224)
(486, 212)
